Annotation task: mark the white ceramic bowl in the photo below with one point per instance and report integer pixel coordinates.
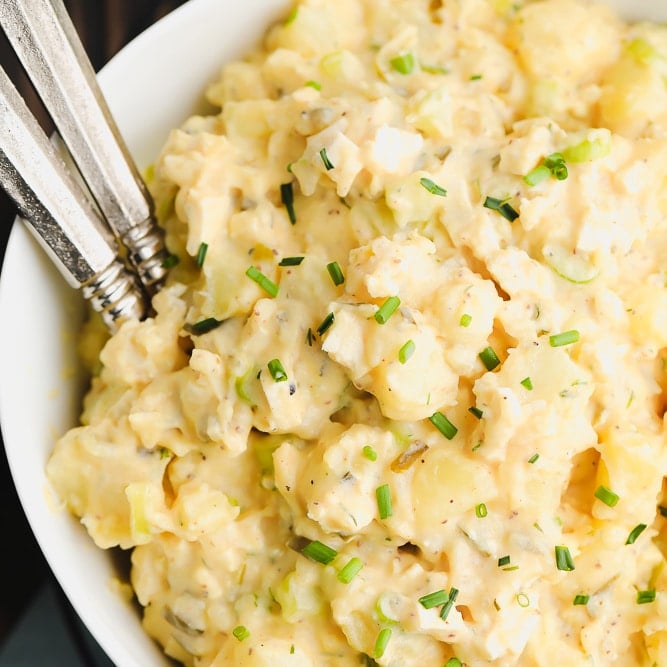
(152, 86)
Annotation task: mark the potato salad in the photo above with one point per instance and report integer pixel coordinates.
(402, 399)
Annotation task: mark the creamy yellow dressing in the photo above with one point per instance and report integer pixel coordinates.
(403, 138)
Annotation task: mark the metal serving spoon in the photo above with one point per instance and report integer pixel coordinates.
(55, 206)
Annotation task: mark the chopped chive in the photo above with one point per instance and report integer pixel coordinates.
(406, 351)
(387, 309)
(606, 495)
(476, 77)
(564, 559)
(434, 599)
(403, 64)
(310, 337)
(552, 165)
(203, 326)
(328, 165)
(644, 597)
(313, 84)
(170, 261)
(432, 187)
(290, 261)
(267, 285)
(447, 607)
(336, 273)
(326, 323)
(319, 552)
(443, 425)
(350, 571)
(534, 458)
(277, 371)
(381, 642)
(241, 632)
(580, 599)
(635, 533)
(369, 453)
(201, 254)
(475, 411)
(481, 511)
(503, 561)
(453, 662)
(433, 69)
(523, 600)
(663, 510)
(556, 165)
(489, 358)
(527, 383)
(564, 338)
(501, 206)
(287, 198)
(465, 320)
(383, 496)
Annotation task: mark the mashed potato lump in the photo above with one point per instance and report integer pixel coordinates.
(402, 399)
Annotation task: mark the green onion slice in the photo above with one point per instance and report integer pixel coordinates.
(383, 495)
(325, 324)
(503, 561)
(635, 533)
(267, 285)
(201, 254)
(336, 273)
(434, 599)
(644, 597)
(319, 552)
(432, 187)
(328, 165)
(277, 371)
(387, 309)
(606, 495)
(443, 425)
(290, 261)
(203, 326)
(350, 570)
(465, 320)
(381, 642)
(404, 63)
(537, 175)
(241, 632)
(489, 358)
(533, 458)
(453, 662)
(523, 600)
(564, 338)
(287, 198)
(313, 84)
(369, 453)
(406, 351)
(481, 511)
(581, 599)
(501, 206)
(564, 559)
(527, 383)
